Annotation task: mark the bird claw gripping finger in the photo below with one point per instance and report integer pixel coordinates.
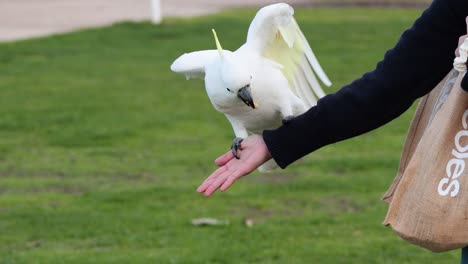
(236, 146)
(286, 120)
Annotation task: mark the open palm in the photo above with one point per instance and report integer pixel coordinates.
(254, 153)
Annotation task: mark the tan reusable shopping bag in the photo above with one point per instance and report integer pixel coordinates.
(429, 197)
(425, 112)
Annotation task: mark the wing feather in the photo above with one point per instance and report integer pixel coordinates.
(309, 97)
(311, 57)
(192, 65)
(276, 35)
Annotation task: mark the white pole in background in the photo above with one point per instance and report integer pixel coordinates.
(156, 11)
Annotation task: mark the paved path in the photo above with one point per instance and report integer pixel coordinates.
(20, 19)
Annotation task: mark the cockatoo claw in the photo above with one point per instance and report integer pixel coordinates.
(288, 119)
(236, 146)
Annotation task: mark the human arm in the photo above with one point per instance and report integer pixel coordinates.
(421, 58)
(423, 55)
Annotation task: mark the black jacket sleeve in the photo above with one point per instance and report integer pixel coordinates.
(422, 57)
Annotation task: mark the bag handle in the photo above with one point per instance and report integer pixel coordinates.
(460, 64)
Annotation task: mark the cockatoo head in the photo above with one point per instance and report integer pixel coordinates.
(228, 77)
(236, 78)
(236, 75)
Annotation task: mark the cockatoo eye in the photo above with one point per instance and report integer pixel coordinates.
(228, 89)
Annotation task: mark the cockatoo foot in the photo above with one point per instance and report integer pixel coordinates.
(236, 147)
(288, 119)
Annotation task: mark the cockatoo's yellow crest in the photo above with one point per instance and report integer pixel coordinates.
(218, 45)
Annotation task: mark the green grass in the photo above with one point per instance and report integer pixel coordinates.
(102, 148)
(373, 2)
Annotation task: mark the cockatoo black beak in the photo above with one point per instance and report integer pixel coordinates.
(246, 97)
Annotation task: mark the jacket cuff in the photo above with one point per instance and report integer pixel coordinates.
(272, 139)
(290, 142)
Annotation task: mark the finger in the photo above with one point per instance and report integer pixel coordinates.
(228, 183)
(241, 171)
(216, 173)
(224, 158)
(216, 184)
(205, 185)
(208, 180)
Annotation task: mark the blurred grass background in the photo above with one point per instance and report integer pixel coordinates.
(373, 2)
(102, 148)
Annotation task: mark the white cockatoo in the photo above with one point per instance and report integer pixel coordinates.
(266, 82)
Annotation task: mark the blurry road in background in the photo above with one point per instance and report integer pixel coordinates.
(20, 19)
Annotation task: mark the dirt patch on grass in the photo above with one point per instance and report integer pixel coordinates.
(334, 205)
(261, 212)
(37, 182)
(258, 215)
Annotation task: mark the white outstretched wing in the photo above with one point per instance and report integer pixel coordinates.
(276, 35)
(192, 65)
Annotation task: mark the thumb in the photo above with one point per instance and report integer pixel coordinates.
(225, 158)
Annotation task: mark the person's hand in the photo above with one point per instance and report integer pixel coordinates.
(462, 39)
(254, 153)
